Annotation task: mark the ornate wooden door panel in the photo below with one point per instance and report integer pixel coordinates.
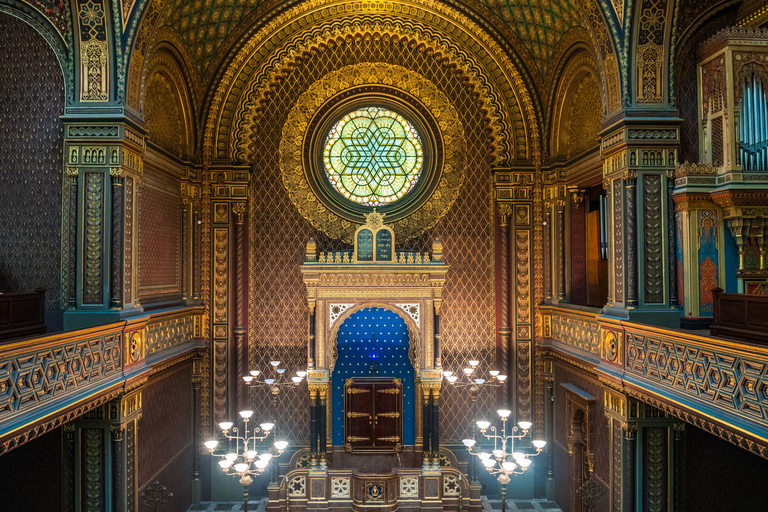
(373, 414)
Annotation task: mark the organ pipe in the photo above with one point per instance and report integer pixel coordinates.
(753, 126)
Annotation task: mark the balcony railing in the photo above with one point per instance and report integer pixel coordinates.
(718, 384)
(49, 380)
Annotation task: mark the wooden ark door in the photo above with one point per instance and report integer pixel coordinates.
(373, 414)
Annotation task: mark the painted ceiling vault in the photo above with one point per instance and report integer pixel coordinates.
(204, 26)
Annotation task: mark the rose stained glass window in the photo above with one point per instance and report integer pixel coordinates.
(373, 156)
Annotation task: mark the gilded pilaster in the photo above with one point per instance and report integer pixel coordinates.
(514, 187)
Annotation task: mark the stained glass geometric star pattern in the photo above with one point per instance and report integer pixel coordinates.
(373, 156)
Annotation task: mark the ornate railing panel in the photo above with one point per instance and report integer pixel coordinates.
(579, 329)
(49, 380)
(55, 368)
(720, 385)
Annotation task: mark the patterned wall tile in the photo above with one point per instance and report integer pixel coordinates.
(32, 99)
(277, 326)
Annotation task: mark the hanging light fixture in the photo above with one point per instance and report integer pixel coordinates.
(249, 457)
(504, 459)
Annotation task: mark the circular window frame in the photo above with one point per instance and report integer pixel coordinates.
(397, 101)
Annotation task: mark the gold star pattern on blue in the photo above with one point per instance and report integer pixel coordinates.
(373, 341)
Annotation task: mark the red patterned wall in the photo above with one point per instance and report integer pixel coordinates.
(278, 314)
(159, 238)
(31, 156)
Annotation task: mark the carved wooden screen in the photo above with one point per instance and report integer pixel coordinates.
(373, 414)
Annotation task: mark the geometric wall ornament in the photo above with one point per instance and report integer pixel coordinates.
(336, 310)
(340, 487)
(409, 487)
(411, 309)
(440, 130)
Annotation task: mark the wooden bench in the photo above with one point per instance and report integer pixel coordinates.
(741, 316)
(21, 314)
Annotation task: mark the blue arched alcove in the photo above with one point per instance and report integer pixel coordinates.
(373, 336)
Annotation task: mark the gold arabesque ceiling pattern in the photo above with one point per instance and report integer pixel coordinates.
(204, 25)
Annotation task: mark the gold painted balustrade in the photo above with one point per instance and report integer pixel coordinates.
(50, 380)
(716, 384)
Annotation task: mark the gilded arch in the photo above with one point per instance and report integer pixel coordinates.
(165, 69)
(580, 65)
(275, 49)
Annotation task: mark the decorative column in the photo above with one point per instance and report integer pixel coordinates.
(560, 205)
(436, 345)
(637, 159)
(323, 419)
(68, 469)
(117, 175)
(630, 182)
(311, 358)
(426, 416)
(548, 250)
(436, 427)
(117, 430)
(190, 228)
(240, 209)
(671, 240)
(313, 444)
(505, 210)
(100, 257)
(630, 473)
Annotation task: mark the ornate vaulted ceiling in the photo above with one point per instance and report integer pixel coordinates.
(205, 26)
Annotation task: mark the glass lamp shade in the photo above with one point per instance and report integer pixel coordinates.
(479, 381)
(525, 462)
(469, 443)
(452, 379)
(489, 463)
(468, 371)
(266, 427)
(518, 456)
(474, 363)
(251, 454)
(248, 378)
(225, 425)
(539, 444)
(254, 373)
(269, 381)
(502, 378)
(265, 456)
(484, 455)
(211, 444)
(280, 371)
(301, 374)
(296, 380)
(504, 413)
(525, 425)
(509, 465)
(494, 373)
(241, 467)
(497, 453)
(232, 457)
(246, 414)
(281, 445)
(483, 424)
(261, 463)
(225, 463)
(447, 374)
(275, 363)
